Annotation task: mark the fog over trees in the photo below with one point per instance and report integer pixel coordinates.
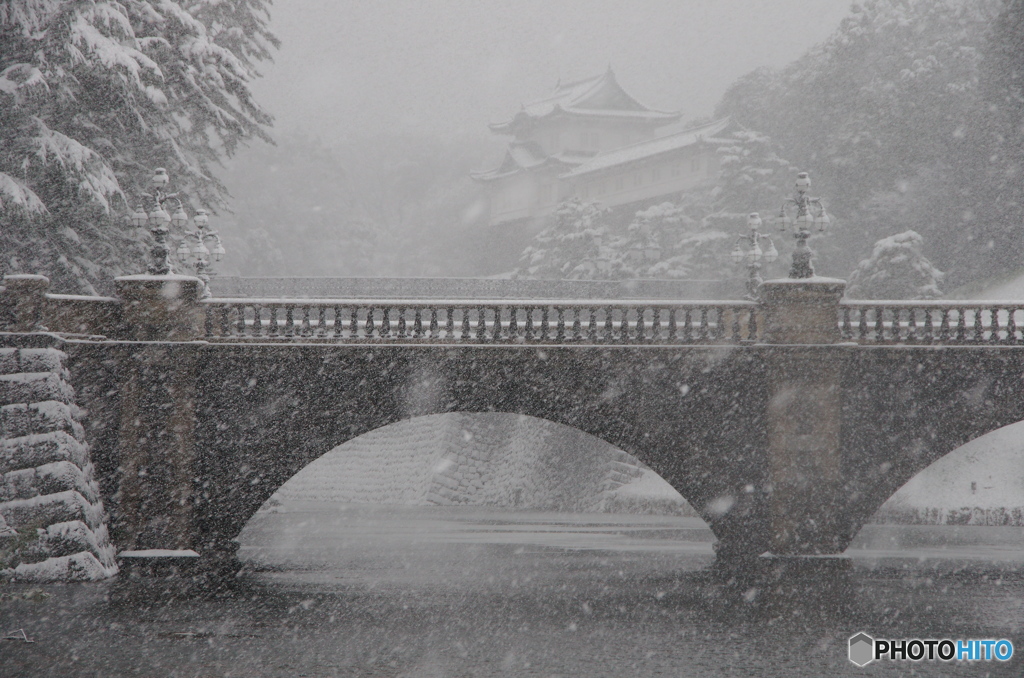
(909, 117)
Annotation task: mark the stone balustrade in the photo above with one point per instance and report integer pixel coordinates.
(555, 322)
(939, 322)
(25, 306)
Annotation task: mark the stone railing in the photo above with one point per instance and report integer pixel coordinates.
(939, 322)
(25, 306)
(481, 321)
(168, 308)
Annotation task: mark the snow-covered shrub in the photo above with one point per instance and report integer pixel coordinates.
(897, 269)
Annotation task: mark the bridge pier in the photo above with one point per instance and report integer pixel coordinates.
(156, 437)
(805, 483)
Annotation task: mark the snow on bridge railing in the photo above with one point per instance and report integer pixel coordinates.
(939, 322)
(482, 321)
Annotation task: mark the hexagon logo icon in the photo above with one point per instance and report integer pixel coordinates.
(862, 649)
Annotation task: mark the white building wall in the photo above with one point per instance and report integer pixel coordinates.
(637, 182)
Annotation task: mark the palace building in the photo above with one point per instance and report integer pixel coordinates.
(591, 140)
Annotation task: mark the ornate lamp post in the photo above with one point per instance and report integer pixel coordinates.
(809, 212)
(199, 252)
(754, 255)
(158, 220)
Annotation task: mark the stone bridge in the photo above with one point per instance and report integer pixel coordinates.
(785, 423)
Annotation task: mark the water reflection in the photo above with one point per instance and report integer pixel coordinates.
(403, 592)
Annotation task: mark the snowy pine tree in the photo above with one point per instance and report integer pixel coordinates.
(93, 96)
(570, 247)
(897, 269)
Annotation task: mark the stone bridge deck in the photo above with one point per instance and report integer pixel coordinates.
(786, 423)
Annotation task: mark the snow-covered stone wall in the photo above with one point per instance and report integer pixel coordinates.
(52, 522)
(484, 459)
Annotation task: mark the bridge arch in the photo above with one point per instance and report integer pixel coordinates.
(483, 459)
(980, 482)
(685, 413)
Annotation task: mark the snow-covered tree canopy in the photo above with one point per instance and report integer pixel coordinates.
(94, 94)
(897, 269)
(688, 237)
(570, 246)
(905, 108)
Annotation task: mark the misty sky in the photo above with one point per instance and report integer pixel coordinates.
(357, 68)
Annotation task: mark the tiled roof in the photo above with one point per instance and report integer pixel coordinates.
(600, 96)
(649, 148)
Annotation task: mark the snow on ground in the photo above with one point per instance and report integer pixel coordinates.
(483, 460)
(986, 475)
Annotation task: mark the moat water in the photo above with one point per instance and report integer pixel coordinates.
(390, 591)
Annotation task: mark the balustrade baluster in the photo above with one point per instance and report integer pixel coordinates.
(609, 326)
(592, 326)
(338, 326)
(879, 324)
(368, 328)
(1011, 325)
(528, 331)
(385, 323)
(912, 335)
(560, 325)
(961, 327)
(929, 326)
(435, 331)
(289, 321)
(640, 310)
(577, 327)
(305, 327)
(845, 329)
(240, 324)
(895, 326)
(944, 325)
(464, 334)
(225, 321)
(673, 328)
(993, 326)
(496, 332)
(862, 324)
(321, 321)
(704, 334)
(273, 321)
(353, 325)
(513, 323)
(417, 323)
(735, 325)
(545, 327)
(481, 324)
(656, 325)
(401, 322)
(979, 328)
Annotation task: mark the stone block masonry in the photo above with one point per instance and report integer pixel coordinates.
(52, 523)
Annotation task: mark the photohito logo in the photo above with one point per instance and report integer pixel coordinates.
(864, 649)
